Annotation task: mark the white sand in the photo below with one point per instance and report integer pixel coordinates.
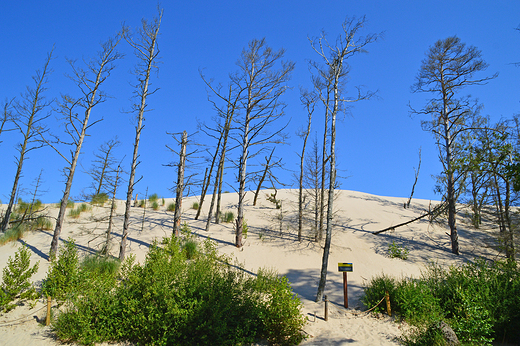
(357, 215)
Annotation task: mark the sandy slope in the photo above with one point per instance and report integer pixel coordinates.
(272, 243)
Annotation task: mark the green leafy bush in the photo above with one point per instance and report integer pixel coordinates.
(16, 278)
(478, 300)
(168, 300)
(62, 276)
(171, 207)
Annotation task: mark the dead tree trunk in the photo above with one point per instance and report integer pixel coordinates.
(180, 185)
(28, 123)
(76, 127)
(415, 181)
(264, 174)
(146, 51)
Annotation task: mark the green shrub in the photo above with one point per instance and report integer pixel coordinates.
(168, 300)
(397, 251)
(171, 207)
(16, 278)
(99, 200)
(228, 216)
(190, 249)
(62, 276)
(42, 223)
(24, 207)
(195, 205)
(155, 205)
(142, 203)
(163, 201)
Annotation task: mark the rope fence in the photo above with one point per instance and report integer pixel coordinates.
(385, 297)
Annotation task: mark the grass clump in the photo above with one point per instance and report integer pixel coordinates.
(171, 207)
(478, 300)
(155, 205)
(228, 216)
(153, 198)
(75, 213)
(99, 200)
(195, 205)
(169, 300)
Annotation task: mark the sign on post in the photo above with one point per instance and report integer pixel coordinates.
(345, 267)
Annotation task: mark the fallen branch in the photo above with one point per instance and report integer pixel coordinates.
(434, 211)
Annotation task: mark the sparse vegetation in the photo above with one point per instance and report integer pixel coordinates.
(75, 213)
(155, 205)
(171, 207)
(195, 205)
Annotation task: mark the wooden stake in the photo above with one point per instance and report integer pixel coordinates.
(326, 308)
(48, 318)
(388, 309)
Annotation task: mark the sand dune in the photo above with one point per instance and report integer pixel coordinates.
(272, 243)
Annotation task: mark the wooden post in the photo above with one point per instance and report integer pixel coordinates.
(326, 308)
(48, 318)
(345, 290)
(388, 309)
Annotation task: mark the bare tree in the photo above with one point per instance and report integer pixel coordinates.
(103, 168)
(113, 207)
(89, 81)
(180, 185)
(416, 171)
(267, 172)
(334, 72)
(260, 107)
(146, 51)
(309, 102)
(449, 66)
(29, 123)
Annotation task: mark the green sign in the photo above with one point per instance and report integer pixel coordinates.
(345, 267)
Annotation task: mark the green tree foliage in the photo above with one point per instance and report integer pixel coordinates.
(16, 278)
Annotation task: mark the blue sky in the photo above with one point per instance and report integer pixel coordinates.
(378, 142)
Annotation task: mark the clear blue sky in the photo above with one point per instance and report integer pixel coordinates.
(378, 141)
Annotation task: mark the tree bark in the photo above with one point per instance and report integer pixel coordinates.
(180, 185)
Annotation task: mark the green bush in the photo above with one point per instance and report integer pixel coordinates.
(168, 300)
(62, 276)
(397, 251)
(171, 207)
(155, 205)
(478, 300)
(163, 201)
(16, 278)
(24, 207)
(100, 199)
(195, 205)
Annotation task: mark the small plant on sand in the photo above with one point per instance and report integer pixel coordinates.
(245, 228)
(142, 203)
(397, 251)
(171, 207)
(163, 201)
(155, 205)
(228, 216)
(75, 213)
(195, 205)
(16, 279)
